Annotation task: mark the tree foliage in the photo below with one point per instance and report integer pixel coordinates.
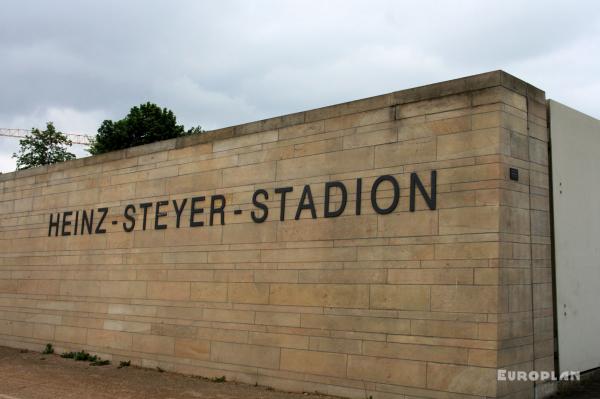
(144, 124)
(43, 147)
(194, 130)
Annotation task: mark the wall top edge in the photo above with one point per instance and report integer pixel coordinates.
(430, 91)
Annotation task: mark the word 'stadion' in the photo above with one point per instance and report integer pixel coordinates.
(93, 221)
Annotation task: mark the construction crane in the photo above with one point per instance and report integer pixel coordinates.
(20, 133)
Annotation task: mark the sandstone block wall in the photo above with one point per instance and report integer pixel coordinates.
(421, 303)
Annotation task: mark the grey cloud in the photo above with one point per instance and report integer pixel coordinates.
(227, 62)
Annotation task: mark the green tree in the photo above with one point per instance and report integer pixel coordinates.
(144, 124)
(194, 130)
(43, 147)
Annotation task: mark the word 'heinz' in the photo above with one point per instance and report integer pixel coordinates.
(188, 211)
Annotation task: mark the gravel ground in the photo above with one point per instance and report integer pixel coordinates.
(31, 375)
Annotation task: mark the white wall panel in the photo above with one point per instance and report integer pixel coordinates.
(575, 147)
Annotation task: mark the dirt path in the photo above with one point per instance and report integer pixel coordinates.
(31, 375)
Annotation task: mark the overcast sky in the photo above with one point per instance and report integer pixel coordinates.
(222, 63)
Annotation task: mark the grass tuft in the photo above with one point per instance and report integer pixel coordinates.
(124, 364)
(48, 350)
(100, 362)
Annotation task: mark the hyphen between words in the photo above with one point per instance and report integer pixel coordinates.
(93, 221)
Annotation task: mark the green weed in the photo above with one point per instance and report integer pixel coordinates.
(125, 364)
(100, 362)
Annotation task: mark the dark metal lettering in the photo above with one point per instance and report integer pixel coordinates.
(158, 214)
(194, 211)
(283, 191)
(99, 229)
(306, 194)
(395, 198)
(429, 199)
(328, 186)
(76, 224)
(260, 205)
(358, 195)
(179, 211)
(130, 217)
(87, 222)
(53, 224)
(66, 222)
(145, 207)
(220, 210)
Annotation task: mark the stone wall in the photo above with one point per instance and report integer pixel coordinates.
(405, 303)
